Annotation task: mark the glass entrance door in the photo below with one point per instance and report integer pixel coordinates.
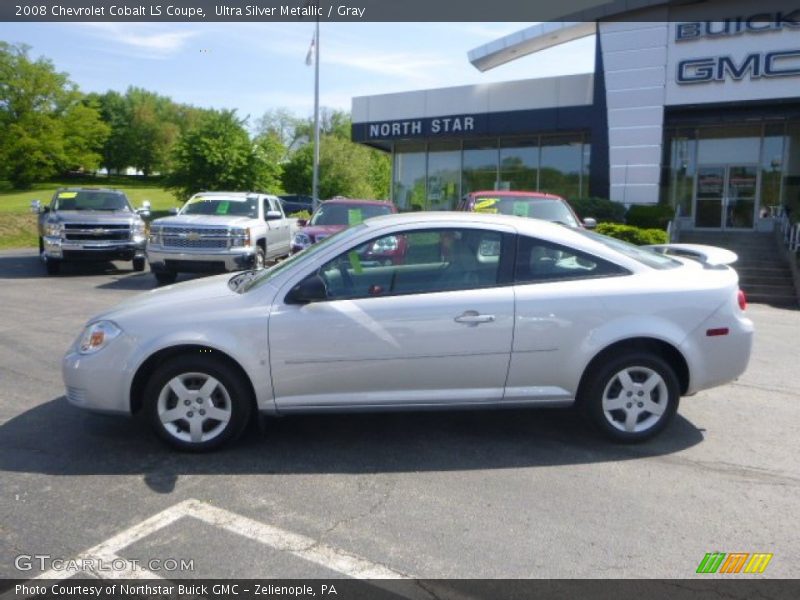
(726, 196)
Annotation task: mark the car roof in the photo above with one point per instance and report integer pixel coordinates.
(89, 189)
(517, 193)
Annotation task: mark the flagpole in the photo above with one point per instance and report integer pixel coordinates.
(315, 177)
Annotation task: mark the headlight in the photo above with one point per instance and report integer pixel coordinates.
(139, 229)
(301, 239)
(53, 228)
(97, 336)
(240, 237)
(385, 245)
(155, 235)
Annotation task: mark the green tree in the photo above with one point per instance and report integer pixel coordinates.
(345, 169)
(152, 130)
(46, 125)
(218, 154)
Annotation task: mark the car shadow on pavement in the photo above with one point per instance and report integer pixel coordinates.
(58, 439)
(28, 265)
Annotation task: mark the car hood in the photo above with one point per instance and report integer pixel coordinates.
(325, 230)
(202, 220)
(93, 216)
(172, 301)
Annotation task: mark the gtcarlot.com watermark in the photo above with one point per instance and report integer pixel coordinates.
(46, 562)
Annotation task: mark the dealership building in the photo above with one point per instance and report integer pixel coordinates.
(701, 112)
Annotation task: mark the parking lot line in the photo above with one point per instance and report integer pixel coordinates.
(306, 548)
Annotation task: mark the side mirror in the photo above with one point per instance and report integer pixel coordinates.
(302, 222)
(589, 223)
(173, 211)
(273, 215)
(36, 207)
(311, 289)
(144, 211)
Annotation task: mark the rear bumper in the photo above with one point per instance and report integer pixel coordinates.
(185, 261)
(716, 360)
(58, 249)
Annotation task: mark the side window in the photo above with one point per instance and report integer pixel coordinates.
(539, 261)
(416, 262)
(273, 205)
(265, 208)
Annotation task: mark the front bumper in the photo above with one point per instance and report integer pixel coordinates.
(60, 249)
(202, 261)
(100, 382)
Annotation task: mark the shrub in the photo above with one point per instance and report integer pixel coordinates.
(600, 209)
(649, 216)
(301, 214)
(634, 235)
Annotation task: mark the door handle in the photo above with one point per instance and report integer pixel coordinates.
(472, 317)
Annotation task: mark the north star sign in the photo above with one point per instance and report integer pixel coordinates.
(421, 127)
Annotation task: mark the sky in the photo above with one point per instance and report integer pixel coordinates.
(255, 67)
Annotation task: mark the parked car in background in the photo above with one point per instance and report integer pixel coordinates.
(294, 203)
(535, 205)
(333, 216)
(90, 224)
(486, 311)
(219, 231)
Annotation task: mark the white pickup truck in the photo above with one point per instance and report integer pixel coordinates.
(219, 231)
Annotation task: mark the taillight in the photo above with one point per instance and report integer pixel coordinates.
(742, 299)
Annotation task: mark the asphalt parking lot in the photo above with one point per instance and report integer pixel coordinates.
(514, 494)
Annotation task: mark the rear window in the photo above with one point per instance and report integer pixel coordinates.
(643, 255)
(547, 209)
(91, 200)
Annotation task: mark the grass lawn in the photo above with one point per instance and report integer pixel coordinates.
(18, 224)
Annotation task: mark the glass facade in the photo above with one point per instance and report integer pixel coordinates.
(435, 175)
(730, 175)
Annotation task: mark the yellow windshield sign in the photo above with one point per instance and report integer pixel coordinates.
(65, 195)
(355, 262)
(486, 205)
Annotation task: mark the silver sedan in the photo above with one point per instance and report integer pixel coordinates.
(472, 311)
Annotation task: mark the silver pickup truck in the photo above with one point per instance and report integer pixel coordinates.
(219, 231)
(90, 224)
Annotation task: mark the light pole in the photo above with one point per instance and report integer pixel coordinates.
(315, 171)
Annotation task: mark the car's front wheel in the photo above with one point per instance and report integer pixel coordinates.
(53, 266)
(197, 403)
(138, 263)
(165, 277)
(632, 397)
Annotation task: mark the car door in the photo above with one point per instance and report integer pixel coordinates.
(277, 230)
(562, 295)
(430, 327)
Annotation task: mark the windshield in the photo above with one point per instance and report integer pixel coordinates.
(348, 214)
(268, 274)
(223, 207)
(643, 255)
(91, 200)
(548, 209)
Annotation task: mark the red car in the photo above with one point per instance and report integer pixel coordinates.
(536, 205)
(333, 216)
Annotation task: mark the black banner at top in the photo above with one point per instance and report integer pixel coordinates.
(374, 10)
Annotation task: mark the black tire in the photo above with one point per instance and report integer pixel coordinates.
(165, 277)
(138, 263)
(234, 397)
(633, 399)
(53, 266)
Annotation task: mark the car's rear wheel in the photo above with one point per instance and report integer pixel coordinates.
(631, 398)
(197, 403)
(138, 263)
(165, 277)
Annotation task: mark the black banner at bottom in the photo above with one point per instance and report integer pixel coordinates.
(415, 589)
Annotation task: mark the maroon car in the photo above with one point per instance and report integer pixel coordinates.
(536, 205)
(332, 216)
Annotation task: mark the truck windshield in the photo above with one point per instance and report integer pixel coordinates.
(91, 200)
(222, 207)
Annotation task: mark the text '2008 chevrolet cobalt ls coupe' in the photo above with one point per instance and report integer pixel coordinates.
(479, 311)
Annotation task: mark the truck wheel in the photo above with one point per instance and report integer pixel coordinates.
(138, 263)
(53, 266)
(261, 258)
(165, 277)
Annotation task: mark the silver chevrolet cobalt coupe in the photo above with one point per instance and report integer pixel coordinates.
(473, 311)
